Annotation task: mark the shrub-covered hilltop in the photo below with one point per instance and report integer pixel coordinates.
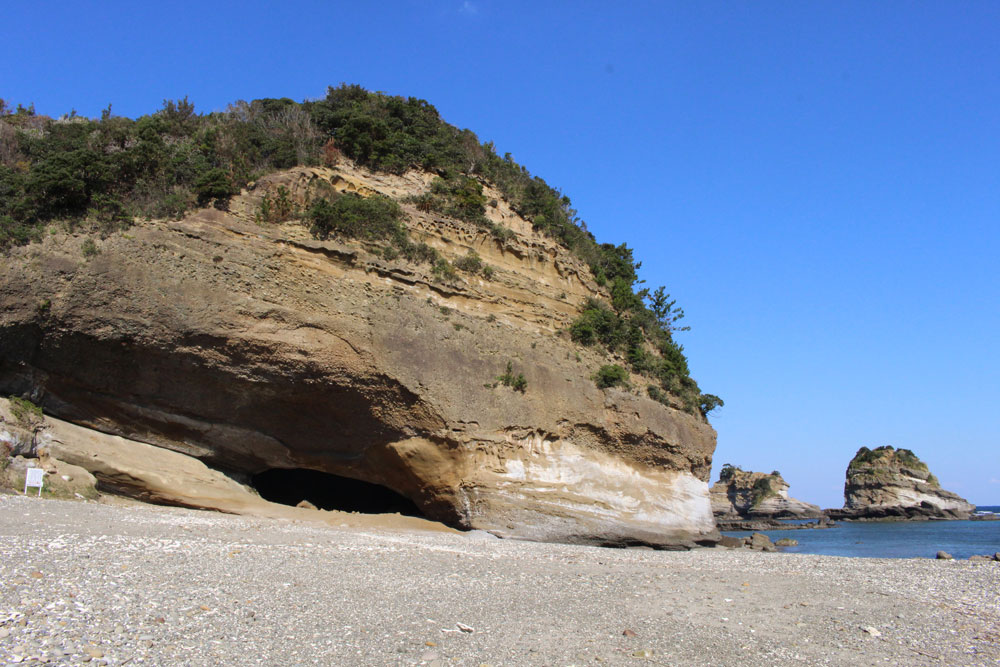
(103, 174)
(885, 458)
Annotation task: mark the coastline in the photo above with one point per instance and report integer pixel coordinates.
(168, 585)
(961, 539)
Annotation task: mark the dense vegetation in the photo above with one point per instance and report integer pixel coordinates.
(106, 172)
(640, 326)
(353, 216)
(887, 454)
(459, 197)
(728, 471)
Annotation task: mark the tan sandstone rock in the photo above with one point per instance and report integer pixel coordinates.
(742, 494)
(249, 347)
(90, 461)
(894, 483)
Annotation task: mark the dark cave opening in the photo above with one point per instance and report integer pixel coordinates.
(290, 486)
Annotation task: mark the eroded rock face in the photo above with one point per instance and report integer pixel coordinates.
(894, 483)
(756, 495)
(83, 462)
(249, 347)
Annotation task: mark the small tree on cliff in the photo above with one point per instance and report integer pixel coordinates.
(709, 402)
(727, 472)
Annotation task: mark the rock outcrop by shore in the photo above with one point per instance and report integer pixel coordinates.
(888, 483)
(250, 347)
(742, 495)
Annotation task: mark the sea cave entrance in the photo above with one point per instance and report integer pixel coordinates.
(290, 486)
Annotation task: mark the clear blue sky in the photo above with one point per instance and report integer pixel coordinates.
(818, 184)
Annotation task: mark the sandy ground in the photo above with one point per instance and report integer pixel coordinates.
(87, 582)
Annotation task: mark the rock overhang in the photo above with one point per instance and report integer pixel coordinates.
(249, 347)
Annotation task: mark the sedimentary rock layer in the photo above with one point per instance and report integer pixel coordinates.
(250, 347)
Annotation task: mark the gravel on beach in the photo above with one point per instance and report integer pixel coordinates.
(89, 582)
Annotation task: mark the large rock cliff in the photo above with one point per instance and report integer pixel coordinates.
(742, 494)
(894, 483)
(253, 347)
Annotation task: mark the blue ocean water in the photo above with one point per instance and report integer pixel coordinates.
(896, 539)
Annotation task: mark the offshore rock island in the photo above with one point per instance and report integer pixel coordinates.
(747, 500)
(881, 484)
(743, 494)
(376, 298)
(888, 483)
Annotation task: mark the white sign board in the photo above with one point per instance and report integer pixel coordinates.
(34, 477)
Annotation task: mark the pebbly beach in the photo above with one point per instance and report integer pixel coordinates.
(138, 584)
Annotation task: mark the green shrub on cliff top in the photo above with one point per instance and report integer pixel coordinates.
(641, 325)
(709, 402)
(863, 456)
(727, 472)
(392, 133)
(891, 456)
(115, 168)
(909, 459)
(599, 324)
(112, 169)
(457, 197)
(214, 186)
(374, 218)
(353, 216)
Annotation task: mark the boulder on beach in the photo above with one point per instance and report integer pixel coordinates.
(759, 542)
